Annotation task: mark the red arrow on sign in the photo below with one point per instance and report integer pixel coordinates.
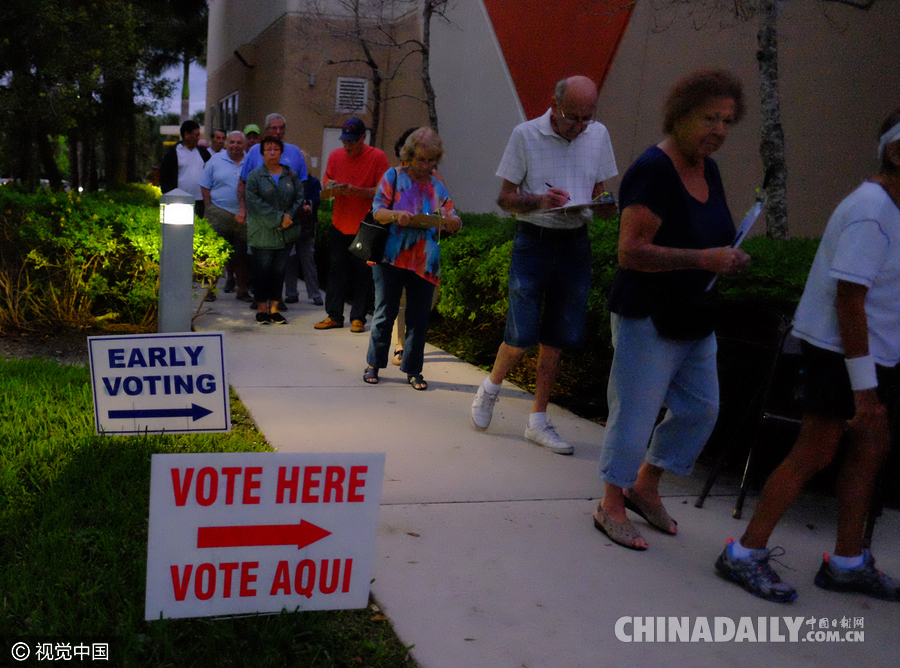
(301, 535)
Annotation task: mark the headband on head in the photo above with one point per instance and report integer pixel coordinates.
(891, 135)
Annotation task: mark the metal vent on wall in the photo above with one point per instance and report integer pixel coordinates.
(352, 95)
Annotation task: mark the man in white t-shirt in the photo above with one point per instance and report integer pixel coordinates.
(182, 166)
(847, 323)
(558, 160)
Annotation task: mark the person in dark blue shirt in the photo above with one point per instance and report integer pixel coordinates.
(675, 235)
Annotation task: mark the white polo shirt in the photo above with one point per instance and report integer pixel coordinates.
(536, 156)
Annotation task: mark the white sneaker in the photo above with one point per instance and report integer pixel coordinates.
(483, 407)
(546, 437)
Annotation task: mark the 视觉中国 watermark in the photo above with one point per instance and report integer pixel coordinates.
(743, 629)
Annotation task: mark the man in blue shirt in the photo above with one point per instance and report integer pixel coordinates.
(291, 157)
(219, 187)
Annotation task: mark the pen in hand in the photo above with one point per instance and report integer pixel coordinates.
(568, 199)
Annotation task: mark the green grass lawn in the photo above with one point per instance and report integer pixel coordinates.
(73, 542)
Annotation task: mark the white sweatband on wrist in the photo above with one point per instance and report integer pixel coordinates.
(862, 372)
(891, 135)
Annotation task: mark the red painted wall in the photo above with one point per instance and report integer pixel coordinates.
(544, 41)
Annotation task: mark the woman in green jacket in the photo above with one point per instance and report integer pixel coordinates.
(273, 196)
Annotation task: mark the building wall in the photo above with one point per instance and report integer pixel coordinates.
(287, 52)
(838, 79)
(838, 76)
(477, 104)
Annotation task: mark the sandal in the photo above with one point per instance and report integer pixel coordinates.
(398, 357)
(417, 382)
(621, 533)
(370, 375)
(656, 517)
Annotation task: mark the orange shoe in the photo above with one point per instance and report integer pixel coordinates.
(357, 326)
(328, 323)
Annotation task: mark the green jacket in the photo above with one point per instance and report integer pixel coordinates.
(267, 202)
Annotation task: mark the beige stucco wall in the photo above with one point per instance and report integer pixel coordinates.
(838, 75)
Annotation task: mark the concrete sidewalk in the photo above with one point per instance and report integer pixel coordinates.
(487, 556)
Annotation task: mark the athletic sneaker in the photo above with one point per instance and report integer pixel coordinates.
(546, 437)
(263, 319)
(277, 319)
(863, 580)
(483, 407)
(755, 575)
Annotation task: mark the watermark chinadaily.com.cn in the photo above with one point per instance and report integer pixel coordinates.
(745, 629)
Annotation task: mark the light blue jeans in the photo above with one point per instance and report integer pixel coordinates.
(649, 372)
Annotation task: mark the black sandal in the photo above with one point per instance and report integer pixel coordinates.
(371, 375)
(398, 357)
(417, 382)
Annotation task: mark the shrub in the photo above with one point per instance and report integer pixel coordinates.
(777, 274)
(76, 260)
(473, 303)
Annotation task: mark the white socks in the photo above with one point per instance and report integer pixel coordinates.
(536, 420)
(738, 551)
(847, 563)
(489, 387)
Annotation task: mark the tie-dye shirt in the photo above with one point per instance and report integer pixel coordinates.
(409, 247)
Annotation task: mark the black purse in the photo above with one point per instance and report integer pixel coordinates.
(370, 240)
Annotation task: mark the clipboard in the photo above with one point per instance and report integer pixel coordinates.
(597, 207)
(744, 228)
(329, 192)
(424, 221)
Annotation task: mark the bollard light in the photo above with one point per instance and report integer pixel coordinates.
(176, 262)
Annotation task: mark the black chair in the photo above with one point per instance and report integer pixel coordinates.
(750, 341)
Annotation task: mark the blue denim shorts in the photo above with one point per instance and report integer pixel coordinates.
(549, 280)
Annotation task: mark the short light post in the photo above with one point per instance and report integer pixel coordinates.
(176, 262)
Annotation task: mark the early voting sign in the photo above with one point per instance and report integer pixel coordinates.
(238, 533)
(174, 383)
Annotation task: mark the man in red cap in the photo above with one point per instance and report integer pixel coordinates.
(352, 175)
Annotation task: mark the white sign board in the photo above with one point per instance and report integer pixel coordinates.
(174, 383)
(237, 533)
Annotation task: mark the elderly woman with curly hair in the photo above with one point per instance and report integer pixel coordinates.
(412, 258)
(675, 235)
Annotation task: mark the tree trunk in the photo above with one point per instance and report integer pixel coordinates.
(186, 90)
(430, 96)
(377, 92)
(72, 145)
(118, 108)
(771, 147)
(48, 161)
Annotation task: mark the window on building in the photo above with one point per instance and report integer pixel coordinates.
(352, 95)
(227, 113)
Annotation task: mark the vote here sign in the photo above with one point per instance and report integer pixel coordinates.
(237, 533)
(160, 382)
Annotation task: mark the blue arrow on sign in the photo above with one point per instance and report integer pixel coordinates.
(195, 412)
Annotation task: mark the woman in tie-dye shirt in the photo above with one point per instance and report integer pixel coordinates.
(412, 257)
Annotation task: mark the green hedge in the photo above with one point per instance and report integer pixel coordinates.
(473, 303)
(475, 264)
(84, 260)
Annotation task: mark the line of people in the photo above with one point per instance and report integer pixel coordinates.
(676, 234)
